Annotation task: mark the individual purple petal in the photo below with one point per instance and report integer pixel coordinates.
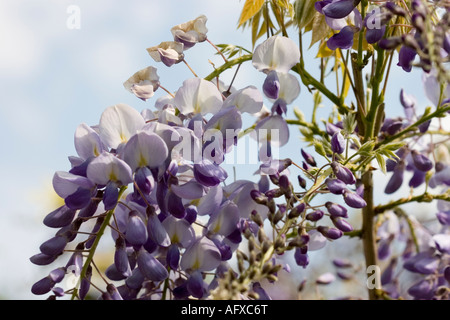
(262, 294)
(58, 291)
(60, 217)
(336, 186)
(447, 273)
(136, 231)
(208, 173)
(396, 180)
(65, 183)
(87, 142)
(301, 259)
(271, 85)
(352, 199)
(427, 265)
(375, 34)
(135, 280)
(175, 206)
(442, 242)
(424, 289)
(190, 190)
(272, 130)
(336, 210)
(341, 224)
(173, 257)
(339, 9)
(157, 232)
(195, 285)
(150, 267)
(421, 161)
(443, 217)
(388, 273)
(417, 179)
(389, 43)
(330, 233)
(85, 284)
(110, 196)
(343, 39)
(191, 214)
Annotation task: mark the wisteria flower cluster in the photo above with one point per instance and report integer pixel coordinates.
(153, 181)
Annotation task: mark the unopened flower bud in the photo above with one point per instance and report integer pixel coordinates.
(341, 224)
(330, 233)
(338, 143)
(336, 186)
(315, 216)
(297, 211)
(336, 210)
(353, 200)
(308, 158)
(343, 173)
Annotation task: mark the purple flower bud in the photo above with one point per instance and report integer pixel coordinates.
(135, 280)
(175, 206)
(330, 233)
(85, 284)
(389, 43)
(301, 259)
(297, 210)
(353, 200)
(332, 128)
(315, 215)
(336, 210)
(60, 217)
(421, 161)
(271, 85)
(115, 275)
(57, 275)
(195, 284)
(150, 267)
(53, 246)
(136, 231)
(336, 186)
(58, 291)
(406, 58)
(121, 257)
(395, 9)
(173, 257)
(43, 286)
(301, 181)
(417, 179)
(41, 259)
(343, 173)
(423, 127)
(396, 179)
(258, 196)
(341, 224)
(338, 143)
(308, 158)
(342, 263)
(113, 292)
(340, 9)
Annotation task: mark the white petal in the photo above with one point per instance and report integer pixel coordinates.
(119, 123)
(198, 96)
(276, 53)
(248, 99)
(106, 167)
(289, 87)
(87, 142)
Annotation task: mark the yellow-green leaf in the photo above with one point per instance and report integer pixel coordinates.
(304, 12)
(251, 7)
(320, 29)
(324, 51)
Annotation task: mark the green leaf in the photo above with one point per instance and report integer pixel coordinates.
(304, 12)
(250, 9)
(320, 28)
(367, 147)
(381, 162)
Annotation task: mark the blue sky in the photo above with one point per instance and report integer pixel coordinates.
(53, 78)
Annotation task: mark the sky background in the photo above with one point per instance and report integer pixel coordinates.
(53, 78)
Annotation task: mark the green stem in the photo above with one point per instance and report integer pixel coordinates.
(228, 65)
(99, 235)
(425, 197)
